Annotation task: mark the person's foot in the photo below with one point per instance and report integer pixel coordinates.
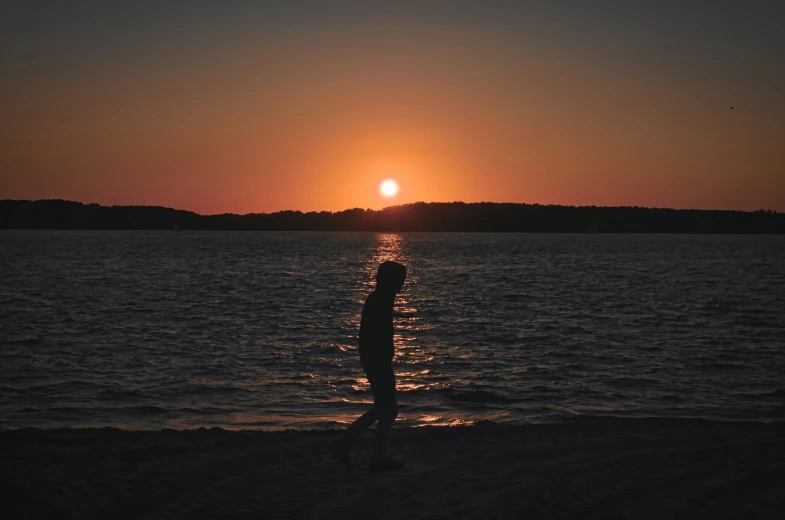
(380, 465)
(340, 452)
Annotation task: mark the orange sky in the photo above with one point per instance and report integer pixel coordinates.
(246, 110)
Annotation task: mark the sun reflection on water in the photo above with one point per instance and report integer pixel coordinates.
(408, 324)
(438, 420)
(388, 247)
(391, 247)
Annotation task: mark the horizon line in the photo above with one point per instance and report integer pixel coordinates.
(383, 208)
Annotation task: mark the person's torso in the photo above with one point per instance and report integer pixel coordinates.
(376, 330)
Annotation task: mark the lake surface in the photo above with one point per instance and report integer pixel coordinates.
(258, 330)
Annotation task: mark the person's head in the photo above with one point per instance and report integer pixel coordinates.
(390, 276)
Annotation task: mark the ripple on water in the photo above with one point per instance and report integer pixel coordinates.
(259, 329)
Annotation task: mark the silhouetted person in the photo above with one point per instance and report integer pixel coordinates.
(376, 354)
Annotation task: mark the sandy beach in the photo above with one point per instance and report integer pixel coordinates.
(589, 469)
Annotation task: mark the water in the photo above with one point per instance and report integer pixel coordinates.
(258, 330)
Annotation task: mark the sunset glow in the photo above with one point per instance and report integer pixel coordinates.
(260, 107)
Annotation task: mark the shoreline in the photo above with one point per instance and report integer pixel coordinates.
(566, 422)
(606, 467)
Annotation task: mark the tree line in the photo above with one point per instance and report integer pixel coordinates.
(421, 216)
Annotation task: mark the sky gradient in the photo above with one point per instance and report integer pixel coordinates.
(262, 106)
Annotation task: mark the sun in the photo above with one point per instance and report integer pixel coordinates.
(389, 188)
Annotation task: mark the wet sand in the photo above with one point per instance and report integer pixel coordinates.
(589, 469)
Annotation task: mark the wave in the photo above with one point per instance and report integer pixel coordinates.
(227, 389)
(29, 341)
(722, 366)
(477, 396)
(779, 393)
(146, 410)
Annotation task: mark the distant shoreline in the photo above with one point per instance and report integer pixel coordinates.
(338, 231)
(459, 217)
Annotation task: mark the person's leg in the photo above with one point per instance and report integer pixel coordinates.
(340, 448)
(386, 420)
(361, 424)
(387, 405)
(366, 420)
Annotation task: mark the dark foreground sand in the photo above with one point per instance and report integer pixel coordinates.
(607, 469)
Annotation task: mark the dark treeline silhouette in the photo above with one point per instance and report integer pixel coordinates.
(454, 216)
